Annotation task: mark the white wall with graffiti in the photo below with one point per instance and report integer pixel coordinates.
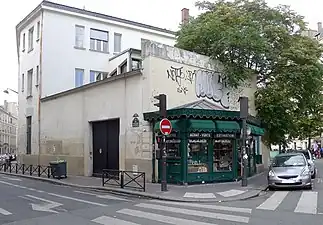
(186, 77)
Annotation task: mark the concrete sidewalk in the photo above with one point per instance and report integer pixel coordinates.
(216, 192)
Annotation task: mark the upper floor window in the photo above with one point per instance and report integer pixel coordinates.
(22, 82)
(96, 75)
(79, 77)
(99, 40)
(37, 76)
(79, 36)
(31, 39)
(23, 42)
(38, 30)
(117, 42)
(29, 82)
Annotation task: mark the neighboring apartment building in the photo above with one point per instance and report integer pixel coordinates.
(8, 127)
(60, 48)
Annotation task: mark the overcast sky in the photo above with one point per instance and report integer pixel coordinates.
(161, 13)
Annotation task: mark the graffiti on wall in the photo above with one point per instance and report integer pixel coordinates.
(179, 76)
(208, 84)
(211, 85)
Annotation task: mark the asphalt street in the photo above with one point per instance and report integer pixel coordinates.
(28, 202)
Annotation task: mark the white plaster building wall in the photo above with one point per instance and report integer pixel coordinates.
(60, 58)
(28, 107)
(69, 131)
(183, 75)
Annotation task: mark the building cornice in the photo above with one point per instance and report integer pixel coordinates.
(86, 13)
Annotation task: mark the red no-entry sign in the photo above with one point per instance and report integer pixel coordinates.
(165, 127)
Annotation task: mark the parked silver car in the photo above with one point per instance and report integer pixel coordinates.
(289, 170)
(310, 160)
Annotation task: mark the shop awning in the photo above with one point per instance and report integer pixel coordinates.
(227, 126)
(201, 126)
(173, 122)
(256, 130)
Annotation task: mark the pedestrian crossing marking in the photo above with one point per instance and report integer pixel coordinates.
(212, 207)
(5, 212)
(106, 220)
(307, 203)
(273, 201)
(220, 216)
(161, 218)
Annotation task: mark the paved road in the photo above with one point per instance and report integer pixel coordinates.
(70, 206)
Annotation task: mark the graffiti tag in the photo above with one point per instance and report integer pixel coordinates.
(178, 75)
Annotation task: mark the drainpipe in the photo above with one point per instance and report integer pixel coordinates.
(40, 82)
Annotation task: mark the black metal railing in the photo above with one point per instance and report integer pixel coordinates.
(31, 170)
(124, 179)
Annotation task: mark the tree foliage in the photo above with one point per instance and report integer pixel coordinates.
(248, 38)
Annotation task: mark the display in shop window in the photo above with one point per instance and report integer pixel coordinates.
(222, 155)
(197, 150)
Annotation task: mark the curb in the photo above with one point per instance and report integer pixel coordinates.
(252, 194)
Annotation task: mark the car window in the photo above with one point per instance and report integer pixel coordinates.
(288, 161)
(307, 155)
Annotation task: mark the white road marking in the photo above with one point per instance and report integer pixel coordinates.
(9, 178)
(273, 201)
(13, 185)
(199, 195)
(41, 199)
(111, 197)
(77, 200)
(5, 212)
(220, 216)
(159, 218)
(212, 207)
(22, 187)
(106, 220)
(44, 208)
(230, 193)
(307, 203)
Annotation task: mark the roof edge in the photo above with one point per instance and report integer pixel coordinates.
(91, 13)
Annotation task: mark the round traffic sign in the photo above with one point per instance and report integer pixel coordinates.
(165, 126)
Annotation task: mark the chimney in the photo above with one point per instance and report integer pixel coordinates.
(319, 26)
(185, 15)
(319, 29)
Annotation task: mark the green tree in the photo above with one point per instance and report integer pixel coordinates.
(248, 38)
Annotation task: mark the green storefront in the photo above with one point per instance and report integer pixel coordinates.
(204, 143)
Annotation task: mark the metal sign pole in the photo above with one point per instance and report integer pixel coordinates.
(244, 112)
(164, 172)
(244, 181)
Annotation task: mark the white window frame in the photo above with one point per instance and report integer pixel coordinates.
(77, 81)
(30, 82)
(37, 76)
(79, 36)
(117, 42)
(24, 42)
(31, 39)
(38, 31)
(23, 82)
(99, 44)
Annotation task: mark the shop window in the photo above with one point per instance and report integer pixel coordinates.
(222, 155)
(173, 148)
(198, 156)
